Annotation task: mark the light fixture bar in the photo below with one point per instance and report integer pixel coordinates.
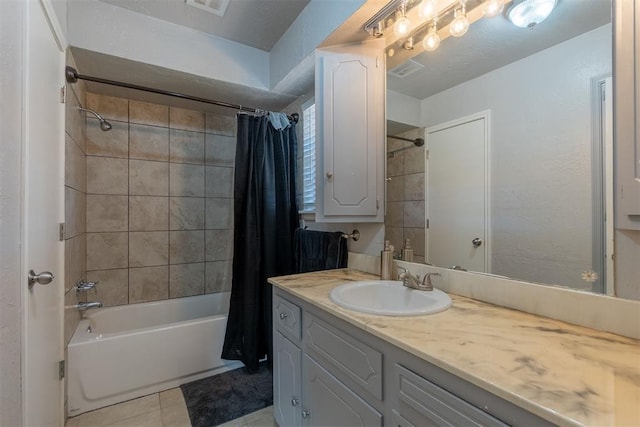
(387, 11)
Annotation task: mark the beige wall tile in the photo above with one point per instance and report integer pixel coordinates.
(186, 146)
(112, 143)
(220, 150)
(107, 213)
(113, 288)
(75, 121)
(218, 245)
(75, 165)
(218, 213)
(218, 276)
(148, 142)
(414, 216)
(395, 164)
(75, 260)
(75, 212)
(221, 124)
(395, 188)
(186, 280)
(416, 235)
(147, 178)
(414, 160)
(148, 284)
(186, 180)
(107, 250)
(109, 107)
(148, 213)
(395, 235)
(219, 181)
(186, 213)
(180, 118)
(414, 186)
(106, 175)
(395, 214)
(186, 246)
(148, 248)
(148, 114)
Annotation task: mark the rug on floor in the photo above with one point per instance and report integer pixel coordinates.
(225, 397)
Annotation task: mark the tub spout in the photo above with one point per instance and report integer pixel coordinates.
(84, 306)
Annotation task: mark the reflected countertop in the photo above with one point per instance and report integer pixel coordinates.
(567, 374)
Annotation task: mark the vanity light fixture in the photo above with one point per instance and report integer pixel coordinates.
(408, 44)
(460, 23)
(529, 13)
(402, 25)
(492, 7)
(427, 9)
(432, 40)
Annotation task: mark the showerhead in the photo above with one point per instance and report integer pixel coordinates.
(104, 125)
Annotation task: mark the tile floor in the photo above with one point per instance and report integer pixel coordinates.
(165, 409)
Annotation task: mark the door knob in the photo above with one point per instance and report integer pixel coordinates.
(476, 242)
(43, 278)
(329, 175)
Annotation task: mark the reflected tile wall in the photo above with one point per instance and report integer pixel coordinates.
(159, 209)
(405, 216)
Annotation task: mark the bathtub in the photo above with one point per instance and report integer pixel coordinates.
(120, 353)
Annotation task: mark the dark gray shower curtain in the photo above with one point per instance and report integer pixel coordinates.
(266, 217)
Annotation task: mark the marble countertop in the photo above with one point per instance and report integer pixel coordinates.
(567, 374)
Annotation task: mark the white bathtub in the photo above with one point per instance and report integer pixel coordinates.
(138, 349)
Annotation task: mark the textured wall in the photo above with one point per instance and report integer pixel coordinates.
(159, 201)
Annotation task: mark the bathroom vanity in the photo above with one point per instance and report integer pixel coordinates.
(474, 364)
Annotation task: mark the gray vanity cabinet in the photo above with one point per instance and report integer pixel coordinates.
(328, 372)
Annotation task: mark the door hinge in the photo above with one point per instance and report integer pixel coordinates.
(377, 204)
(61, 231)
(426, 154)
(61, 369)
(63, 94)
(427, 223)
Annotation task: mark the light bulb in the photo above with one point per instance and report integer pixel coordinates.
(401, 27)
(427, 9)
(492, 7)
(460, 23)
(528, 13)
(431, 41)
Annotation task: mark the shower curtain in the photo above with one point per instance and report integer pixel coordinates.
(266, 216)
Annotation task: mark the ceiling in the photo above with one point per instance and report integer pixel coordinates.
(256, 23)
(495, 42)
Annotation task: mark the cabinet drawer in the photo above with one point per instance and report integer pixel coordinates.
(347, 356)
(430, 404)
(286, 318)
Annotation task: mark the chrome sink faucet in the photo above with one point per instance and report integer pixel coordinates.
(414, 282)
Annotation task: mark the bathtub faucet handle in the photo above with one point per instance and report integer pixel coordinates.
(84, 285)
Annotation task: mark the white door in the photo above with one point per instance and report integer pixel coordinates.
(456, 194)
(43, 211)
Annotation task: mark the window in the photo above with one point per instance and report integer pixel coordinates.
(309, 157)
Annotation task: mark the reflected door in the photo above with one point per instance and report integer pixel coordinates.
(456, 194)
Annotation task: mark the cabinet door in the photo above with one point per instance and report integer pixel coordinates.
(328, 402)
(350, 126)
(287, 382)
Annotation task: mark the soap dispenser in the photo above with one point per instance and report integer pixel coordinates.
(407, 251)
(386, 261)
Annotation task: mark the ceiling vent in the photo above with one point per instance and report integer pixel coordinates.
(217, 7)
(405, 69)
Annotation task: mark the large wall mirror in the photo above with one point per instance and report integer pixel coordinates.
(515, 175)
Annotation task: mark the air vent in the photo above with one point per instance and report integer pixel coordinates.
(218, 7)
(405, 69)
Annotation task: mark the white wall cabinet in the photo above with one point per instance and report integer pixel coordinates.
(627, 113)
(350, 132)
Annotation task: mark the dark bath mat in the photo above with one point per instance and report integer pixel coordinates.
(225, 397)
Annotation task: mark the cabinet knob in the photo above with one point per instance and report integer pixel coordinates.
(294, 402)
(329, 175)
(283, 316)
(305, 414)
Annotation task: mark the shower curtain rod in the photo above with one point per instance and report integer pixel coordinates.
(72, 76)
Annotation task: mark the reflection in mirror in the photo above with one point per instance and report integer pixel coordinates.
(518, 177)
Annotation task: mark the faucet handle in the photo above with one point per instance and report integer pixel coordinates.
(83, 285)
(403, 274)
(426, 280)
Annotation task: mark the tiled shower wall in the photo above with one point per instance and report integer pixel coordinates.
(75, 197)
(405, 217)
(159, 201)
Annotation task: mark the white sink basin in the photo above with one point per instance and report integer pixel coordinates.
(389, 298)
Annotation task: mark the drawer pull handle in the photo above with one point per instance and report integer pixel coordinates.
(305, 414)
(294, 402)
(283, 316)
